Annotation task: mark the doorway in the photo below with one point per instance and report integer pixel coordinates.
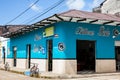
(4, 54)
(117, 57)
(85, 55)
(49, 51)
(14, 56)
(28, 48)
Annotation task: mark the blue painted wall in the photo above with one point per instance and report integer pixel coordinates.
(66, 32)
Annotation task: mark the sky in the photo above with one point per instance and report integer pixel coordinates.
(9, 9)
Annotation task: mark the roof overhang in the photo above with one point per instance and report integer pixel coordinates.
(58, 18)
(90, 20)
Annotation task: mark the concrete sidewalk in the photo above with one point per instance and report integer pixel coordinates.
(50, 75)
(66, 76)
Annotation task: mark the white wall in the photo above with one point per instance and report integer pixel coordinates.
(3, 43)
(111, 6)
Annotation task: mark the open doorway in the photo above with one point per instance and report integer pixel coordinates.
(28, 55)
(85, 55)
(4, 54)
(49, 51)
(117, 57)
(14, 56)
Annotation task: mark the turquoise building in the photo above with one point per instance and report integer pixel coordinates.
(70, 42)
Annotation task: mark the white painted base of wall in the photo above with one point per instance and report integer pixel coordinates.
(105, 65)
(41, 64)
(59, 66)
(64, 66)
(23, 64)
(10, 62)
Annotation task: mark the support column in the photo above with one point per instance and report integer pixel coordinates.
(64, 66)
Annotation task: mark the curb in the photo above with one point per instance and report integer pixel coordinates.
(63, 76)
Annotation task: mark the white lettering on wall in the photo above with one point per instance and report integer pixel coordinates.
(84, 31)
(103, 32)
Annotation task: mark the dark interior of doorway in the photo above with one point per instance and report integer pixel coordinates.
(14, 56)
(49, 48)
(29, 55)
(4, 54)
(117, 57)
(85, 55)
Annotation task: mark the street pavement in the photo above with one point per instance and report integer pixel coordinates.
(4, 75)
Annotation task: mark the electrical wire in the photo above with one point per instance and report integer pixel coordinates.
(22, 12)
(25, 21)
(62, 6)
(56, 4)
(47, 10)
